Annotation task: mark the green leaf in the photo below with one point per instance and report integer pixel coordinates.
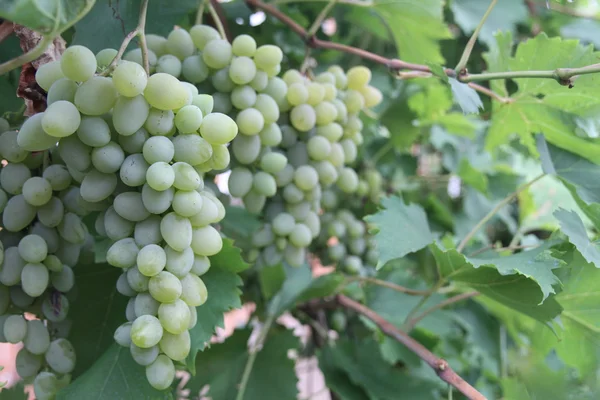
(238, 222)
(383, 382)
(472, 176)
(401, 229)
(438, 70)
(229, 258)
(223, 295)
(521, 281)
(297, 280)
(46, 17)
(337, 379)
(272, 378)
(497, 61)
(15, 392)
(114, 375)
(398, 118)
(96, 312)
(271, 278)
(572, 226)
(109, 21)
(466, 97)
(416, 30)
(504, 17)
(323, 286)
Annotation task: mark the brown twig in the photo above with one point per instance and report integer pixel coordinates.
(459, 297)
(439, 365)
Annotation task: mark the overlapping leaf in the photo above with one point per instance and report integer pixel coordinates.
(573, 227)
(47, 17)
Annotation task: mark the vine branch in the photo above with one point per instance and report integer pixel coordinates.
(459, 297)
(389, 285)
(464, 59)
(439, 365)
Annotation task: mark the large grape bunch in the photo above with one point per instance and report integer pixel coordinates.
(41, 238)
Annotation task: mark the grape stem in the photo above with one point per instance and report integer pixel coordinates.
(562, 75)
(410, 324)
(264, 331)
(439, 365)
(138, 31)
(464, 59)
(212, 9)
(200, 13)
(320, 18)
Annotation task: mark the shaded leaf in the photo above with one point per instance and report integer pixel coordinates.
(272, 377)
(229, 258)
(337, 380)
(472, 176)
(438, 71)
(322, 286)
(297, 280)
(238, 222)
(115, 375)
(497, 61)
(271, 278)
(466, 97)
(572, 226)
(401, 229)
(15, 392)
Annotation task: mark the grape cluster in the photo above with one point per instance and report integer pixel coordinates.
(40, 242)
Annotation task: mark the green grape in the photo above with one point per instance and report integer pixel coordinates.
(123, 253)
(267, 107)
(13, 177)
(277, 89)
(285, 176)
(330, 91)
(130, 310)
(156, 201)
(37, 191)
(61, 356)
(161, 372)
(49, 73)
(192, 149)
(165, 92)
(130, 206)
(157, 44)
(240, 182)
(273, 162)
(33, 249)
(299, 210)
(206, 241)
(31, 137)
(58, 176)
(316, 93)
(246, 149)
(283, 224)
(122, 334)
(222, 103)
(146, 331)
(348, 180)
(202, 34)
(194, 69)
(352, 265)
(174, 317)
(160, 176)
(192, 89)
(250, 121)
(188, 119)
(165, 288)
(135, 56)
(169, 64)
(306, 177)
(218, 128)
(158, 149)
(297, 94)
(350, 151)
(179, 263)
(326, 113)
(55, 310)
(295, 256)
(94, 132)
(147, 231)
(340, 77)
(222, 82)
(62, 89)
(243, 97)
(15, 328)
(144, 357)
(327, 172)
(180, 43)
(194, 291)
(133, 170)
(45, 386)
(204, 102)
(300, 236)
(242, 70)
(129, 115)
(10, 274)
(64, 280)
(337, 252)
(264, 183)
(268, 56)
(116, 226)
(52, 262)
(108, 158)
(217, 53)
(254, 202)
(193, 318)
(244, 45)
(27, 363)
(105, 56)
(129, 79)
(318, 148)
(136, 280)
(292, 76)
(176, 347)
(78, 63)
(3, 201)
(135, 142)
(358, 77)
(313, 223)
(201, 265)
(17, 214)
(220, 158)
(10, 149)
(34, 279)
(160, 122)
(260, 81)
(51, 213)
(145, 304)
(176, 231)
(270, 135)
(187, 203)
(96, 96)
(303, 117)
(186, 177)
(336, 156)
(354, 101)
(72, 229)
(372, 96)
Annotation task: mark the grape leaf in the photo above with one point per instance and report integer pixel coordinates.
(15, 392)
(239, 222)
(297, 280)
(323, 286)
(337, 380)
(96, 312)
(416, 28)
(472, 176)
(573, 227)
(384, 382)
(504, 17)
(46, 17)
(229, 258)
(271, 277)
(543, 105)
(397, 217)
(465, 96)
(272, 377)
(115, 375)
(497, 61)
(108, 22)
(522, 281)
